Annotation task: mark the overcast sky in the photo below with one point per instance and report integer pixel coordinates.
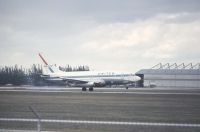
(117, 35)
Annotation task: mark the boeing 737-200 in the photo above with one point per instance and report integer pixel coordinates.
(88, 79)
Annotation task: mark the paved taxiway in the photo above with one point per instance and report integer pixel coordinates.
(157, 109)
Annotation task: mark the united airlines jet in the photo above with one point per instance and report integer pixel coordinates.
(88, 79)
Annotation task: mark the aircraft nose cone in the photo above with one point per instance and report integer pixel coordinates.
(137, 78)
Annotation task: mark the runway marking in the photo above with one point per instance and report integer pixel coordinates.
(104, 122)
(9, 130)
(99, 92)
(154, 93)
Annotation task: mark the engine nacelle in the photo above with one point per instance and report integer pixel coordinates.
(89, 84)
(101, 83)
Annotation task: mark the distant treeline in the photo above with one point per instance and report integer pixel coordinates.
(68, 68)
(17, 75)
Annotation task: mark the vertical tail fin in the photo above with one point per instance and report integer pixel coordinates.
(46, 64)
(43, 59)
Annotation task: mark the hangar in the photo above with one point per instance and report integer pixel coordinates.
(171, 75)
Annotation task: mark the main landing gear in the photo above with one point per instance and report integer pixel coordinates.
(91, 89)
(85, 89)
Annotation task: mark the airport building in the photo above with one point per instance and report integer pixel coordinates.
(171, 75)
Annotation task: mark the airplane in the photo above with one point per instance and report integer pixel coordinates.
(88, 79)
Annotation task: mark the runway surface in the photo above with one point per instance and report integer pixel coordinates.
(115, 110)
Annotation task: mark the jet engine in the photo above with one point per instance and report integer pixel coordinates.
(100, 83)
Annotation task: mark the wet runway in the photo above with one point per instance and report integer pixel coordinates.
(104, 109)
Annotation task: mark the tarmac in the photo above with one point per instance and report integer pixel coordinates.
(104, 109)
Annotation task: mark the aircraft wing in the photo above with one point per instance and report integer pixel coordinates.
(91, 81)
(77, 80)
(82, 80)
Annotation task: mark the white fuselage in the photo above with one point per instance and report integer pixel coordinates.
(94, 78)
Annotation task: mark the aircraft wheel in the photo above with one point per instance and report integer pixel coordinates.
(84, 89)
(126, 87)
(91, 89)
